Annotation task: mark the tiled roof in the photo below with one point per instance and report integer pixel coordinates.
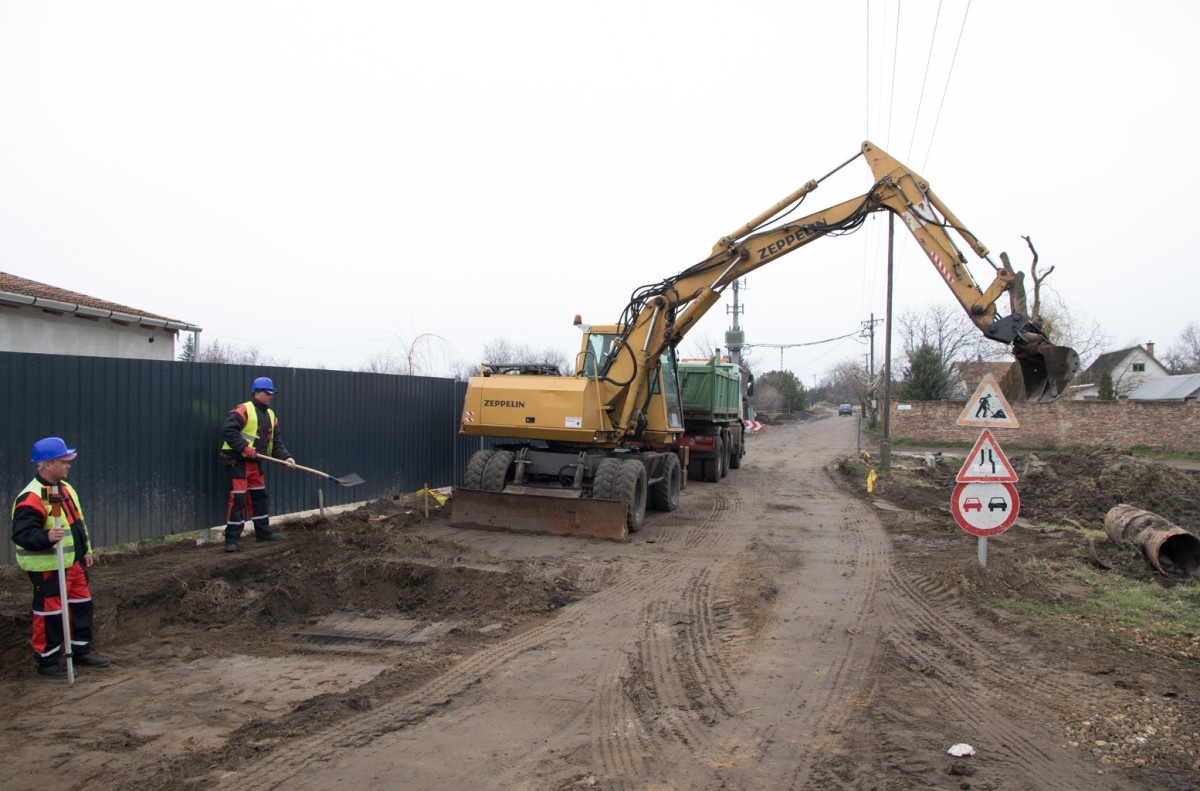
(31, 288)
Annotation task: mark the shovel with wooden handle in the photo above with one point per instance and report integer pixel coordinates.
(346, 480)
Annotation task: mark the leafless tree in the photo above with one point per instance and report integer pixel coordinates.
(849, 382)
(699, 346)
(949, 330)
(1184, 356)
(1069, 329)
(767, 398)
(426, 354)
(501, 351)
(231, 354)
(1035, 308)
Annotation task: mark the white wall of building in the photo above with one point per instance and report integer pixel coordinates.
(31, 329)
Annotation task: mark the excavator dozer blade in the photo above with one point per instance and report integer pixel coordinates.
(519, 510)
(1042, 373)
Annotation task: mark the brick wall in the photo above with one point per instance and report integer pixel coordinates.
(1169, 426)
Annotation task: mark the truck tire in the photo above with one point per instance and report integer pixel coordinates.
(630, 488)
(714, 467)
(604, 481)
(474, 477)
(495, 472)
(725, 452)
(739, 449)
(664, 495)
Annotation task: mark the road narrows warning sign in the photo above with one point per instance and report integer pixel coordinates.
(988, 408)
(986, 463)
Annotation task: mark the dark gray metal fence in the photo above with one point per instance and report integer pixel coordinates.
(147, 432)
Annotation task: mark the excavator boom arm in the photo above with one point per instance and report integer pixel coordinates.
(662, 314)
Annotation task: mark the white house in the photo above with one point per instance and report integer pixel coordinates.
(36, 317)
(1130, 369)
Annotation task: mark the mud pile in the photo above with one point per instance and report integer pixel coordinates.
(372, 559)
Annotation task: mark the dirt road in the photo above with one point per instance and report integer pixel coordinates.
(764, 636)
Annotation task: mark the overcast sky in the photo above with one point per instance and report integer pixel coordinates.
(335, 181)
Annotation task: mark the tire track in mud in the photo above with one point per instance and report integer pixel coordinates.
(744, 719)
(815, 643)
(640, 678)
(824, 701)
(770, 734)
(955, 662)
(773, 733)
(618, 739)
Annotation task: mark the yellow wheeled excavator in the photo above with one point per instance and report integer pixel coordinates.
(587, 454)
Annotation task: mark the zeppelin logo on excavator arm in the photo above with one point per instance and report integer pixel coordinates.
(497, 402)
(800, 236)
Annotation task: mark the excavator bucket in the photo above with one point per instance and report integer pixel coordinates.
(521, 510)
(1042, 373)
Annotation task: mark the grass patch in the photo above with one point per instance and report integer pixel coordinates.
(1124, 606)
(1087, 533)
(1158, 453)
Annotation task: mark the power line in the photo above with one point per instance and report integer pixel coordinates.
(782, 346)
(924, 80)
(946, 87)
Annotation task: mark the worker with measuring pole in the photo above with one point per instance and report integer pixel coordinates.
(53, 549)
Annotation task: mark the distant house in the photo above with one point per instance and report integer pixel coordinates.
(966, 376)
(36, 317)
(1130, 369)
(1185, 387)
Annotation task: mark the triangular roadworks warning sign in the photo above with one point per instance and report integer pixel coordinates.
(987, 463)
(988, 408)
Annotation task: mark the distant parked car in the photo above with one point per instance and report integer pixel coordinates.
(972, 504)
(998, 502)
(845, 409)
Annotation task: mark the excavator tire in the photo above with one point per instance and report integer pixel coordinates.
(495, 471)
(604, 481)
(664, 495)
(630, 488)
(474, 477)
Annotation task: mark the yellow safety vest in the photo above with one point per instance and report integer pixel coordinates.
(47, 559)
(250, 430)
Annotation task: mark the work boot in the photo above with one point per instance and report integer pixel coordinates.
(52, 671)
(271, 537)
(231, 547)
(91, 659)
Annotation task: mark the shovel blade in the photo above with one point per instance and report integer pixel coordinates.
(349, 480)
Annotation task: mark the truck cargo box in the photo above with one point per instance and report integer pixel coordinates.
(711, 391)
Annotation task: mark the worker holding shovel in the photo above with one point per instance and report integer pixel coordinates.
(251, 433)
(53, 548)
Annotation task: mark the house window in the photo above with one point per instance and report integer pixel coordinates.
(1139, 368)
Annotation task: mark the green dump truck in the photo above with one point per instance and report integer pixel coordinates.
(716, 402)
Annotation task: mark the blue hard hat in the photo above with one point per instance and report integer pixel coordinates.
(51, 448)
(262, 383)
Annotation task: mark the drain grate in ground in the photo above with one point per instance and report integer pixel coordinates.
(359, 633)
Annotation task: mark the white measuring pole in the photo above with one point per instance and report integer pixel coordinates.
(56, 512)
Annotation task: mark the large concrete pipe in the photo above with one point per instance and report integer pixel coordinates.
(1158, 538)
